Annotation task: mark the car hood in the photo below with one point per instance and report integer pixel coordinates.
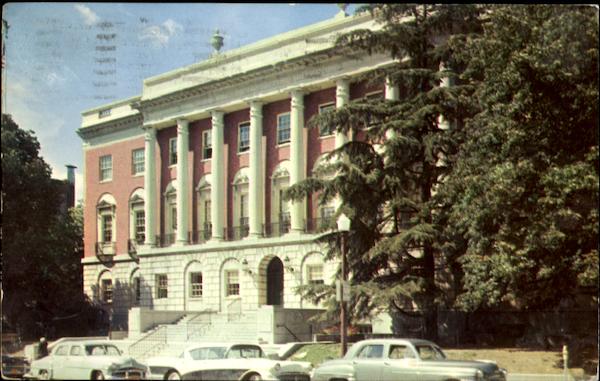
(118, 362)
(254, 363)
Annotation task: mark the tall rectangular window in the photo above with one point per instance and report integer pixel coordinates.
(283, 128)
(162, 286)
(137, 291)
(172, 151)
(243, 210)
(244, 137)
(325, 131)
(232, 282)
(196, 285)
(105, 168)
(207, 144)
(207, 218)
(137, 161)
(107, 290)
(174, 217)
(140, 226)
(107, 228)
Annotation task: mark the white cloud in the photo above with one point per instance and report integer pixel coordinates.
(159, 35)
(89, 17)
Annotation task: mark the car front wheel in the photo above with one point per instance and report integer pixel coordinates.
(44, 375)
(98, 375)
(173, 375)
(253, 377)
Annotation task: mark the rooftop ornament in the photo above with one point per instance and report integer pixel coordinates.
(217, 41)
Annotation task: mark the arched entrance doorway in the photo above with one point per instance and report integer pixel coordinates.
(275, 282)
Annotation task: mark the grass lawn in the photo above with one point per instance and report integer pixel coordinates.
(515, 360)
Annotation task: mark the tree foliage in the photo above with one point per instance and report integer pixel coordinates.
(505, 200)
(41, 246)
(393, 239)
(524, 191)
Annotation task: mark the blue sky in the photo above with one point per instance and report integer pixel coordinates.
(56, 66)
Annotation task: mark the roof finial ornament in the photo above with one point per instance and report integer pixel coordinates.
(217, 41)
(342, 12)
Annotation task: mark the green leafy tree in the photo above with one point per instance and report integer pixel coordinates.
(386, 180)
(41, 246)
(523, 194)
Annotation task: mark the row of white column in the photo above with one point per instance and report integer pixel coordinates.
(256, 183)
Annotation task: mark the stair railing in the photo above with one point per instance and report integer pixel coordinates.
(199, 324)
(234, 310)
(146, 345)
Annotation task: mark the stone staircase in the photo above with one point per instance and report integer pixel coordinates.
(172, 339)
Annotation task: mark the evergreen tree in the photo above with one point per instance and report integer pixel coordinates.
(523, 194)
(386, 184)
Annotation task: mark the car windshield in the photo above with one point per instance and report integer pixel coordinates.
(245, 352)
(102, 350)
(430, 352)
(208, 353)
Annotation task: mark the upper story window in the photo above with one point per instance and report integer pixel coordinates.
(206, 144)
(244, 137)
(325, 131)
(140, 225)
(283, 128)
(104, 113)
(107, 227)
(105, 168)
(172, 151)
(137, 161)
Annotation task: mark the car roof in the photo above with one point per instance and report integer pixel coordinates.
(82, 342)
(226, 345)
(397, 341)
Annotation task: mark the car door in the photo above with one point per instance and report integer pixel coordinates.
(59, 358)
(401, 364)
(368, 362)
(74, 364)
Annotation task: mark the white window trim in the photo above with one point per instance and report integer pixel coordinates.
(100, 169)
(279, 144)
(332, 134)
(141, 173)
(191, 295)
(171, 165)
(204, 134)
(246, 123)
(136, 204)
(157, 285)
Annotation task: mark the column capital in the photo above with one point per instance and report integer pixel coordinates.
(297, 98)
(182, 125)
(149, 132)
(255, 108)
(253, 102)
(342, 81)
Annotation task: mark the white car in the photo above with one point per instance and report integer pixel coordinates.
(87, 360)
(227, 361)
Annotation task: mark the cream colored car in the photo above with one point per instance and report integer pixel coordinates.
(86, 360)
(226, 361)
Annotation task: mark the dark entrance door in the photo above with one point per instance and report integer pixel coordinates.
(275, 282)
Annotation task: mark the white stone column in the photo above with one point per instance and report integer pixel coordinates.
(183, 144)
(256, 186)
(218, 203)
(150, 185)
(342, 97)
(297, 170)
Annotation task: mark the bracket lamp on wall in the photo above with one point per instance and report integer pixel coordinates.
(246, 267)
(288, 266)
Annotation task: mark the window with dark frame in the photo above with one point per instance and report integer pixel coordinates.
(162, 286)
(137, 161)
(107, 290)
(283, 128)
(107, 227)
(172, 151)
(140, 226)
(196, 285)
(244, 137)
(314, 273)
(206, 144)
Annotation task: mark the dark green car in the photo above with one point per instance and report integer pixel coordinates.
(406, 360)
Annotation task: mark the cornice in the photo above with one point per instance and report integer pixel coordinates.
(110, 126)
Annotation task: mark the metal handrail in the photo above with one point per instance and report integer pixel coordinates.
(195, 328)
(156, 339)
(319, 225)
(237, 313)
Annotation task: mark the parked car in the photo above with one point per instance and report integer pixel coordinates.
(404, 359)
(227, 361)
(14, 367)
(87, 360)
